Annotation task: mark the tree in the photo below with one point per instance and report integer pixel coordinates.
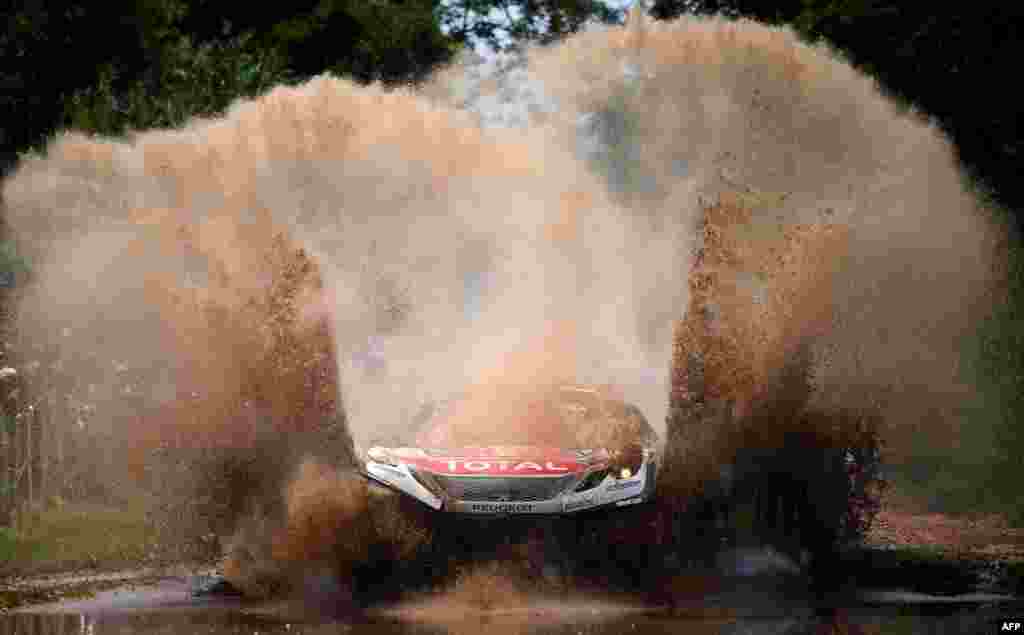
(503, 24)
(108, 67)
(386, 41)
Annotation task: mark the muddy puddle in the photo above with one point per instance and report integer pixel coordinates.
(765, 603)
(979, 615)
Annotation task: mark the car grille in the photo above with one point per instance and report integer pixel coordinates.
(483, 488)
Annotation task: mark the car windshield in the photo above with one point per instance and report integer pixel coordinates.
(574, 417)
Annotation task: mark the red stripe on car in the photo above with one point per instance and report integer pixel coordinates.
(463, 466)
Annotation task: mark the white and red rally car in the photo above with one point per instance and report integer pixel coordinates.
(527, 478)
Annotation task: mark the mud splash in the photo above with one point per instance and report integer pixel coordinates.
(503, 228)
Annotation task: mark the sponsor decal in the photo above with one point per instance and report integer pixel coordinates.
(499, 460)
(505, 466)
(498, 508)
(624, 485)
(490, 466)
(580, 503)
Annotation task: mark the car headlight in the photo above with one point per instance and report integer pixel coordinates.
(625, 463)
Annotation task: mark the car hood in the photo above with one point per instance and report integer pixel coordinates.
(504, 461)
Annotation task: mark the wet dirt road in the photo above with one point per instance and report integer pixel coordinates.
(221, 621)
(739, 605)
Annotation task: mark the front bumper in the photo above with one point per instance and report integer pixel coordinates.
(611, 494)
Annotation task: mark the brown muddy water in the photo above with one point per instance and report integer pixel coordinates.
(771, 601)
(171, 612)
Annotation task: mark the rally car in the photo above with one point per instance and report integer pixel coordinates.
(607, 458)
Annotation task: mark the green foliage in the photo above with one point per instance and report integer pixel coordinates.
(988, 468)
(194, 80)
(9, 424)
(7, 488)
(62, 538)
(115, 66)
(984, 469)
(112, 67)
(1004, 354)
(399, 42)
(10, 545)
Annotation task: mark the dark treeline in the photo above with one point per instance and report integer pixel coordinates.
(116, 65)
(113, 66)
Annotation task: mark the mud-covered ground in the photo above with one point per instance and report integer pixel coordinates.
(703, 601)
(874, 620)
(982, 536)
(906, 549)
(29, 590)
